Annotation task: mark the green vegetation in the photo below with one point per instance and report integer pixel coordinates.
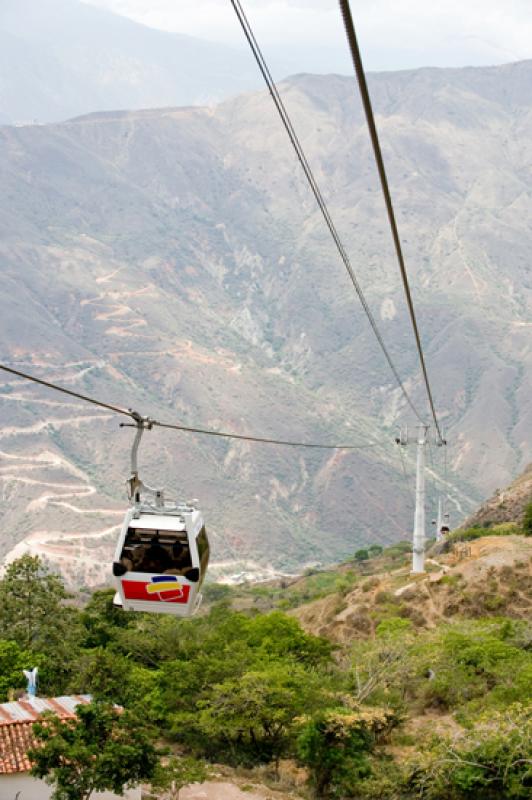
(478, 531)
(527, 520)
(101, 750)
(13, 660)
(172, 774)
(315, 583)
(31, 603)
(246, 689)
(491, 761)
(335, 746)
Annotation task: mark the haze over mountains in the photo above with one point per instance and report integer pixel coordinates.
(173, 260)
(62, 58)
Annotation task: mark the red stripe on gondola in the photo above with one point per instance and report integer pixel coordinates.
(136, 590)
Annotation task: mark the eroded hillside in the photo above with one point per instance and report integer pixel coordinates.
(173, 261)
(485, 577)
(506, 505)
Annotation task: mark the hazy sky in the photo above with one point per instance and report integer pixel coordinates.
(394, 34)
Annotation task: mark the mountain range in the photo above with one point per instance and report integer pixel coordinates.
(61, 58)
(173, 261)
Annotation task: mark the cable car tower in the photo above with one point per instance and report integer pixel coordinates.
(421, 439)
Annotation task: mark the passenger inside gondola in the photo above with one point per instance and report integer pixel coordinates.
(181, 561)
(153, 551)
(156, 558)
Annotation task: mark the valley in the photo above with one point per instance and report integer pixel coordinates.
(172, 261)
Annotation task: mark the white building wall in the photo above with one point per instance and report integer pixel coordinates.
(29, 788)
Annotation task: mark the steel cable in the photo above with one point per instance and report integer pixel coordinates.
(62, 389)
(174, 426)
(285, 118)
(368, 110)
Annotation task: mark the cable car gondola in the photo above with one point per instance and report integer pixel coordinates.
(162, 553)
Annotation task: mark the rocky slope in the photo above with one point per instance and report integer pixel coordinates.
(487, 576)
(506, 505)
(173, 261)
(475, 578)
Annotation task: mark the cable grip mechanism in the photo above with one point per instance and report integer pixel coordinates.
(136, 488)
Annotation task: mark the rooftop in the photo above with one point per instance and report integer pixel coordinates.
(16, 733)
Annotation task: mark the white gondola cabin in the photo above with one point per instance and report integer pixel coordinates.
(161, 559)
(162, 553)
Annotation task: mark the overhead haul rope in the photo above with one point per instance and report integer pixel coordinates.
(62, 389)
(203, 431)
(370, 119)
(263, 66)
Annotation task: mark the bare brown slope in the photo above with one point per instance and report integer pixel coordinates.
(481, 578)
(507, 505)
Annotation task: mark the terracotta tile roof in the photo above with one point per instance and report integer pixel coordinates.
(16, 721)
(15, 740)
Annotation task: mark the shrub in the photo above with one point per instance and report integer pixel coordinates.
(505, 529)
(527, 520)
(398, 549)
(335, 746)
(449, 580)
(393, 626)
(465, 535)
(344, 583)
(490, 761)
(475, 532)
(384, 597)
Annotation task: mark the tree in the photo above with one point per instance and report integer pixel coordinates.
(101, 619)
(102, 749)
(277, 635)
(253, 715)
(382, 667)
(32, 613)
(335, 746)
(225, 645)
(374, 550)
(30, 602)
(13, 660)
(177, 772)
(361, 555)
(103, 674)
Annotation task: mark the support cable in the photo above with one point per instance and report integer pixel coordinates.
(62, 389)
(203, 431)
(366, 102)
(261, 62)
(262, 440)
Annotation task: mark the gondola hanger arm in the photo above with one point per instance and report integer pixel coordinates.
(137, 487)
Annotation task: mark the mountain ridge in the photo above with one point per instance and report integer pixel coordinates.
(176, 257)
(62, 58)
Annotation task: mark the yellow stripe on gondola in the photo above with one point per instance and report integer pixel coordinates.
(163, 586)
